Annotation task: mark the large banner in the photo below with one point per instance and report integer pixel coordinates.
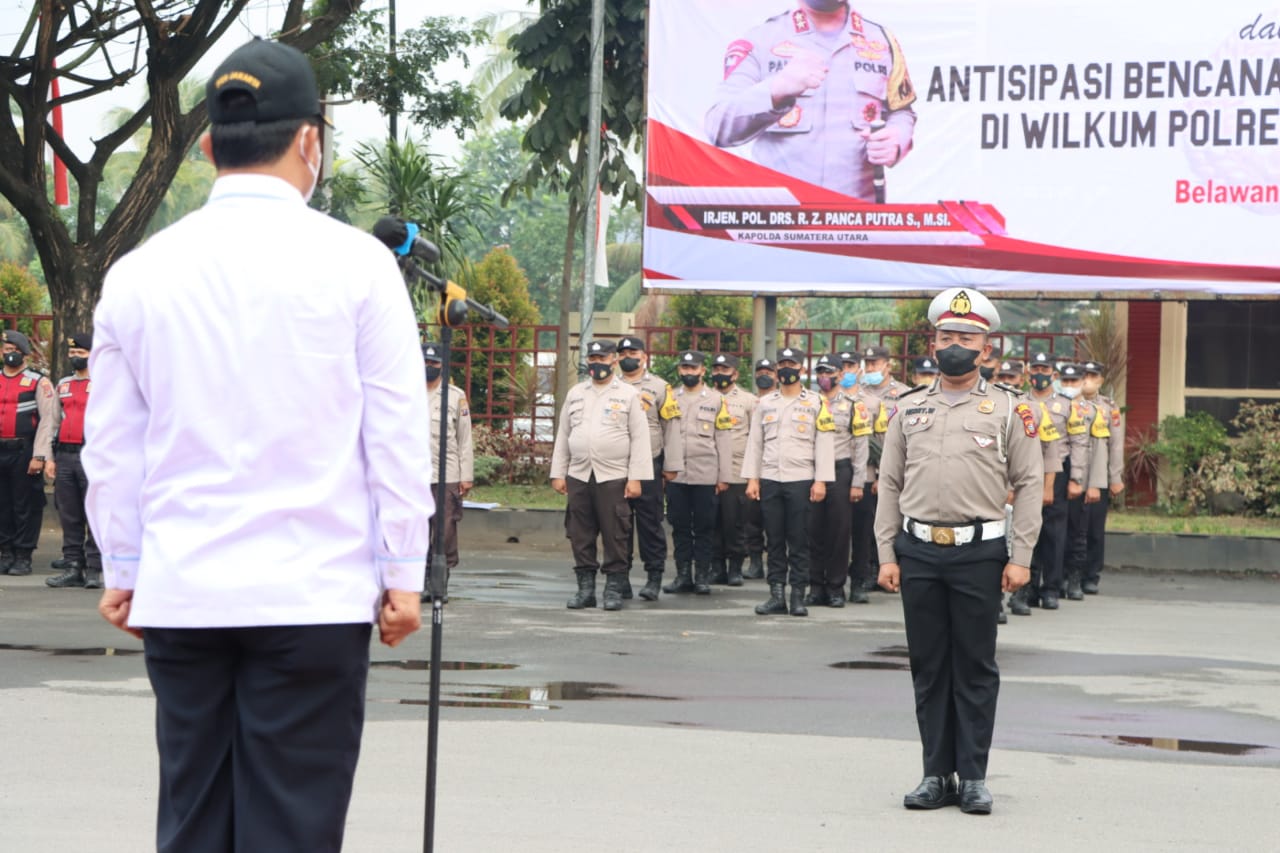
(1016, 145)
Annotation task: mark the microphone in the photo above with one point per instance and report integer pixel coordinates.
(402, 238)
(877, 170)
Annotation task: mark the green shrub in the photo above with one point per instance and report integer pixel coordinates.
(520, 458)
(1251, 467)
(486, 469)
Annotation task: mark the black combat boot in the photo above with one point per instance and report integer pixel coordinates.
(1018, 603)
(719, 572)
(776, 604)
(6, 562)
(649, 592)
(61, 564)
(857, 594)
(735, 572)
(72, 576)
(702, 579)
(818, 596)
(93, 579)
(21, 565)
(586, 596)
(755, 568)
(613, 590)
(797, 602)
(1088, 587)
(627, 594)
(683, 581)
(1074, 592)
(835, 596)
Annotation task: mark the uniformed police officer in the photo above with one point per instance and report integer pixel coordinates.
(789, 460)
(1010, 372)
(692, 506)
(600, 457)
(831, 520)
(734, 418)
(923, 370)
(81, 559)
(1108, 429)
(951, 454)
(1084, 416)
(647, 509)
(989, 364)
(879, 392)
(766, 381)
(824, 94)
(1065, 469)
(28, 413)
(459, 473)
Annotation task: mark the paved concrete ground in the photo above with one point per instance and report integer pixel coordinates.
(1147, 718)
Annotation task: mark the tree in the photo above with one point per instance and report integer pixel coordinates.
(20, 293)
(502, 381)
(720, 318)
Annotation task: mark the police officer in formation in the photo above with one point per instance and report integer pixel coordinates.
(81, 561)
(459, 471)
(923, 370)
(734, 422)
(28, 418)
(1108, 427)
(789, 460)
(1010, 372)
(691, 496)
(831, 520)
(600, 458)
(951, 454)
(766, 381)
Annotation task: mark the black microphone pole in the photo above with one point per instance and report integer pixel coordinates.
(877, 170)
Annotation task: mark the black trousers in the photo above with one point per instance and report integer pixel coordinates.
(1096, 536)
(863, 560)
(598, 510)
(646, 513)
(1077, 551)
(830, 523)
(692, 511)
(258, 731)
(950, 597)
(754, 527)
(1047, 559)
(451, 515)
(730, 538)
(69, 488)
(785, 507)
(21, 499)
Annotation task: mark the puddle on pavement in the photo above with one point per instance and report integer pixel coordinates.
(870, 664)
(1174, 744)
(445, 665)
(556, 691)
(96, 651)
(467, 703)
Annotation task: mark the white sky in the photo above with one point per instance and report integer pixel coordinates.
(85, 120)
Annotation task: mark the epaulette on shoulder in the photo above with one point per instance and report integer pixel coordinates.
(913, 390)
(1017, 392)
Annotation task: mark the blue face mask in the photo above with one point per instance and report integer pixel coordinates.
(848, 380)
(1070, 392)
(873, 378)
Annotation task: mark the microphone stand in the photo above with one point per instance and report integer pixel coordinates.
(877, 170)
(454, 307)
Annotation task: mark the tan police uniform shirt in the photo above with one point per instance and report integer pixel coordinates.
(653, 392)
(1057, 438)
(602, 431)
(734, 418)
(785, 443)
(853, 428)
(702, 442)
(879, 400)
(460, 459)
(1108, 428)
(1083, 415)
(953, 463)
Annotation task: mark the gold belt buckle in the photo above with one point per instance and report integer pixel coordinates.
(944, 536)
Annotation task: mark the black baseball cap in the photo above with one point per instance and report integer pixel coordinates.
(925, 366)
(432, 351)
(630, 343)
(692, 358)
(278, 78)
(80, 340)
(828, 362)
(725, 359)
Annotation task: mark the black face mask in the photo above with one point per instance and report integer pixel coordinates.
(433, 372)
(722, 381)
(690, 380)
(629, 365)
(14, 359)
(764, 382)
(599, 371)
(788, 375)
(956, 360)
(1041, 381)
(987, 373)
(79, 362)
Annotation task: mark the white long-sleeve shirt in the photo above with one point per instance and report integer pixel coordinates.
(257, 440)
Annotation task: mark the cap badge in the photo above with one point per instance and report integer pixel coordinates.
(688, 356)
(960, 303)
(595, 348)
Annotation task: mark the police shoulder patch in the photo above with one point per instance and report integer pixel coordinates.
(1028, 420)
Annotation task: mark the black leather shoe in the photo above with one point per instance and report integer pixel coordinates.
(755, 567)
(817, 597)
(1018, 604)
(933, 792)
(61, 564)
(21, 567)
(1089, 587)
(72, 576)
(859, 596)
(1049, 601)
(974, 796)
(93, 580)
(1002, 618)
(836, 598)
(1074, 593)
(6, 562)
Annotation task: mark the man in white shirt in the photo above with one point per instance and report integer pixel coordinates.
(257, 456)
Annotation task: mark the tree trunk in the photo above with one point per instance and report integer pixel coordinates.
(566, 369)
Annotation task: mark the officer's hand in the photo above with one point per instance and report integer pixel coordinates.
(51, 469)
(1116, 489)
(114, 607)
(817, 492)
(875, 487)
(463, 489)
(35, 466)
(1092, 496)
(882, 146)
(632, 489)
(1074, 490)
(670, 476)
(721, 488)
(1015, 577)
(753, 490)
(1047, 498)
(804, 71)
(855, 494)
(890, 576)
(560, 486)
(400, 616)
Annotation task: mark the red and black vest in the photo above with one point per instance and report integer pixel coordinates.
(18, 413)
(73, 394)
